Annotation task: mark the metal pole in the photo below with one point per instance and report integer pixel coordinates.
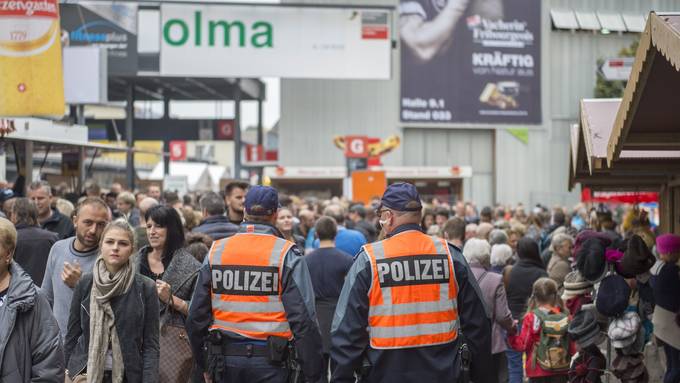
(166, 143)
(80, 114)
(28, 162)
(82, 174)
(237, 130)
(260, 132)
(129, 122)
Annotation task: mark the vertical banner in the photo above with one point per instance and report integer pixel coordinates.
(470, 61)
(31, 82)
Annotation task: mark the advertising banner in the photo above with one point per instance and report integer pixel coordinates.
(470, 61)
(31, 82)
(276, 41)
(109, 25)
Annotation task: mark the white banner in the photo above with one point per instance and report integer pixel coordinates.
(275, 41)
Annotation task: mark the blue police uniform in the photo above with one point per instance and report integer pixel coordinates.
(285, 299)
(351, 336)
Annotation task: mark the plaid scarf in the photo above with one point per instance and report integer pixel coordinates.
(103, 333)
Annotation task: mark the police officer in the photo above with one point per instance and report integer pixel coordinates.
(410, 306)
(253, 296)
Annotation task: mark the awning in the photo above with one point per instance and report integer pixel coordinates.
(646, 124)
(588, 154)
(152, 86)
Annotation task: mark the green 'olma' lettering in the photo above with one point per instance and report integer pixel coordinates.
(219, 32)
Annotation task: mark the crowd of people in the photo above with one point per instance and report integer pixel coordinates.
(93, 285)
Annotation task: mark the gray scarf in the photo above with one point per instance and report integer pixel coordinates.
(102, 322)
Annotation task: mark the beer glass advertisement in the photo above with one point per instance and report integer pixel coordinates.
(470, 61)
(31, 82)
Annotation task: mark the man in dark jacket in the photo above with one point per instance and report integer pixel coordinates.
(33, 243)
(40, 193)
(417, 351)
(215, 224)
(30, 345)
(358, 222)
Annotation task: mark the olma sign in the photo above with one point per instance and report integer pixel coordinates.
(276, 41)
(176, 32)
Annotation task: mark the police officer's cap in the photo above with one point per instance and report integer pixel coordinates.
(401, 196)
(262, 200)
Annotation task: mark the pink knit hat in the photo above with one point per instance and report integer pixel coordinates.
(667, 243)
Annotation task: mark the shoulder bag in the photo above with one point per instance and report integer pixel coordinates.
(176, 361)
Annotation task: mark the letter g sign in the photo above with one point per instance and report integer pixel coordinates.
(356, 146)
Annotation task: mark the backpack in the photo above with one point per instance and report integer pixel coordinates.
(552, 350)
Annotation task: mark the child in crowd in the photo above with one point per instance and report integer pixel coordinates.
(544, 337)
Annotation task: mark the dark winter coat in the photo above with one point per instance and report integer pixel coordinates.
(30, 345)
(60, 224)
(217, 227)
(521, 283)
(33, 248)
(136, 314)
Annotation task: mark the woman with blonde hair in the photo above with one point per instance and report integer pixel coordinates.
(113, 326)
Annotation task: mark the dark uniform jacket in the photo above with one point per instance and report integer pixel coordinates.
(60, 224)
(297, 298)
(350, 339)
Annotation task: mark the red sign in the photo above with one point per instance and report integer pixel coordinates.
(356, 146)
(271, 155)
(254, 153)
(618, 197)
(373, 160)
(374, 32)
(178, 150)
(224, 130)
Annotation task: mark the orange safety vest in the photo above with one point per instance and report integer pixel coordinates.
(246, 285)
(412, 299)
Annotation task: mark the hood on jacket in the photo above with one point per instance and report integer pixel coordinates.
(527, 250)
(21, 293)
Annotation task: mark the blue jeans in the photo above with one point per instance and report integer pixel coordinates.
(515, 367)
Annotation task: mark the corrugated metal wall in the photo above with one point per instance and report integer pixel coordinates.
(313, 111)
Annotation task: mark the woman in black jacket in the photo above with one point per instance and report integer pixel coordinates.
(174, 270)
(524, 273)
(113, 325)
